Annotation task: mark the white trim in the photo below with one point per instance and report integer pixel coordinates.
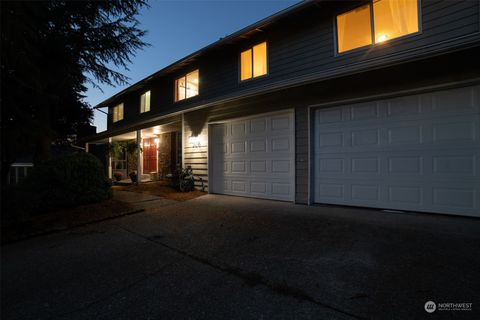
(209, 164)
(110, 166)
(183, 140)
(139, 157)
(22, 164)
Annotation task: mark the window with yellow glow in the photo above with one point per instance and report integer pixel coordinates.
(145, 102)
(187, 86)
(253, 62)
(391, 19)
(117, 112)
(354, 29)
(394, 18)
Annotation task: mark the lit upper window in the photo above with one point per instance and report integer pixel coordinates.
(394, 18)
(253, 62)
(118, 112)
(145, 102)
(187, 86)
(391, 19)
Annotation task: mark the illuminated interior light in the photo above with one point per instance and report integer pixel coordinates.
(382, 38)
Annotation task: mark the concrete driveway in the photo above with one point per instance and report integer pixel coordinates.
(220, 257)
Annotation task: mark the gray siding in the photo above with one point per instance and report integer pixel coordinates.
(302, 45)
(301, 155)
(196, 157)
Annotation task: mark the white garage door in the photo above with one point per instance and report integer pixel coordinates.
(253, 157)
(418, 153)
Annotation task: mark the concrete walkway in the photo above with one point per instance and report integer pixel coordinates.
(219, 257)
(141, 200)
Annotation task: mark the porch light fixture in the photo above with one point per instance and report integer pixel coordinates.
(194, 141)
(157, 141)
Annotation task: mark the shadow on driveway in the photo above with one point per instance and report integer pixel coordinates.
(219, 257)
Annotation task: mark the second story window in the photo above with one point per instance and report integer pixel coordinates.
(375, 23)
(253, 62)
(145, 102)
(187, 86)
(117, 112)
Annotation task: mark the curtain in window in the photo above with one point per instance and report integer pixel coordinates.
(354, 29)
(395, 18)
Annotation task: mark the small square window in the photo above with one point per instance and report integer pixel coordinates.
(145, 102)
(187, 86)
(117, 112)
(253, 62)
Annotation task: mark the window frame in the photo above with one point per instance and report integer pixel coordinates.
(252, 78)
(175, 79)
(113, 112)
(149, 101)
(372, 29)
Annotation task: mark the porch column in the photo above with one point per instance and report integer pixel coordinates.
(86, 147)
(139, 157)
(183, 141)
(109, 161)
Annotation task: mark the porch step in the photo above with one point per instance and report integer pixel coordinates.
(145, 177)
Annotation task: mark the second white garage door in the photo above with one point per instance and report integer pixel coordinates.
(418, 153)
(253, 157)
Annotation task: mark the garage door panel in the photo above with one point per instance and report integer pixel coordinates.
(421, 153)
(463, 99)
(259, 157)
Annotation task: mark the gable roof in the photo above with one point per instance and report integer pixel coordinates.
(233, 38)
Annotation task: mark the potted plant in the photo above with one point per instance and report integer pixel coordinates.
(133, 177)
(184, 180)
(118, 176)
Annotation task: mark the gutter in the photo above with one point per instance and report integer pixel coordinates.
(359, 67)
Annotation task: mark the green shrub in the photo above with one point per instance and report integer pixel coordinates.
(62, 182)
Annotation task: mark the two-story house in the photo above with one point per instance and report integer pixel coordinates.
(359, 103)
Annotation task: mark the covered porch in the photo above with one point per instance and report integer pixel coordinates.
(152, 152)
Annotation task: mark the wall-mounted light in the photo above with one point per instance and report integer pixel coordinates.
(157, 141)
(194, 141)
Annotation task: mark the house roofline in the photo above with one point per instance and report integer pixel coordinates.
(298, 81)
(222, 41)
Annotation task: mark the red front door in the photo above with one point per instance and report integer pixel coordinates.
(149, 156)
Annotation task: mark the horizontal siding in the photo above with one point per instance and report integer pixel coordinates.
(196, 157)
(302, 44)
(301, 155)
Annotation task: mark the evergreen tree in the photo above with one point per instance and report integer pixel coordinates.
(49, 51)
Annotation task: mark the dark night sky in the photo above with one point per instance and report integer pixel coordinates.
(178, 28)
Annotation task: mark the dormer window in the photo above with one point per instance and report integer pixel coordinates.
(117, 112)
(187, 86)
(253, 62)
(377, 22)
(145, 102)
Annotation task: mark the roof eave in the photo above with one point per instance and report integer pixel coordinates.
(223, 41)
